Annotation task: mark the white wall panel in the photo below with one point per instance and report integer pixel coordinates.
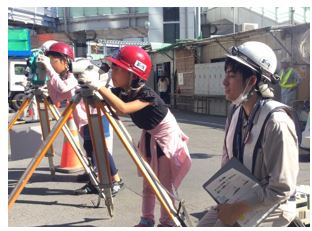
(208, 78)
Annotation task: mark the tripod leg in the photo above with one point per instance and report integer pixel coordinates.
(101, 154)
(45, 128)
(83, 160)
(20, 111)
(144, 168)
(44, 147)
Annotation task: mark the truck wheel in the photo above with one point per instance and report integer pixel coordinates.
(17, 101)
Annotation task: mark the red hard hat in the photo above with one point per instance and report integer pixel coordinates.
(62, 48)
(133, 59)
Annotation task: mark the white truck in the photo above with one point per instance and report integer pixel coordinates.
(16, 72)
(19, 48)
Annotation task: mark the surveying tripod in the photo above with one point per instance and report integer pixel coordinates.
(93, 100)
(36, 93)
(44, 102)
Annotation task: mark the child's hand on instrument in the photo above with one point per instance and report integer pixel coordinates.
(45, 61)
(90, 78)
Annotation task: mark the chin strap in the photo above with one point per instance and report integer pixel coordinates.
(265, 90)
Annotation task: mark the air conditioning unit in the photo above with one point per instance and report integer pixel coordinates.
(249, 26)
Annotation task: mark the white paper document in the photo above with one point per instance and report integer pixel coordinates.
(233, 183)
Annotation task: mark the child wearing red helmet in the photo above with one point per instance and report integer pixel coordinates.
(62, 85)
(162, 142)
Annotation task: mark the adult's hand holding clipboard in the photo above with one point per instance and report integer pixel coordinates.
(232, 183)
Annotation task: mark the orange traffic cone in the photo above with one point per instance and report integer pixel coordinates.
(69, 160)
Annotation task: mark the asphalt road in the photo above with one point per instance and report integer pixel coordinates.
(48, 201)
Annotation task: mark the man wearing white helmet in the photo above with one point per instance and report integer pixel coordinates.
(261, 134)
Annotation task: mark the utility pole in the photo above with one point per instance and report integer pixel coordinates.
(198, 23)
(292, 12)
(147, 26)
(234, 31)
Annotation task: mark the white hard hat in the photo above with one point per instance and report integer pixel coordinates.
(46, 45)
(257, 56)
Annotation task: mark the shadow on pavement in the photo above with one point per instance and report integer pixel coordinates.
(42, 175)
(53, 203)
(201, 155)
(76, 224)
(44, 191)
(304, 158)
(199, 215)
(15, 174)
(304, 155)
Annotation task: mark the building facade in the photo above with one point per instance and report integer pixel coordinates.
(175, 37)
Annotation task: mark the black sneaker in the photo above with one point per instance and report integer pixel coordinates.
(86, 189)
(117, 186)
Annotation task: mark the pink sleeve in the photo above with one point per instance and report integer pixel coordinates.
(63, 86)
(59, 89)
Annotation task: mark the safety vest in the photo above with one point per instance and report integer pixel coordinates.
(253, 143)
(285, 77)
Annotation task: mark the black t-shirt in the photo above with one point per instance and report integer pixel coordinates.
(150, 116)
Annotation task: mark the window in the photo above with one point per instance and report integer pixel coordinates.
(97, 49)
(140, 10)
(171, 14)
(104, 10)
(120, 10)
(76, 12)
(19, 69)
(171, 32)
(171, 18)
(60, 12)
(111, 51)
(90, 11)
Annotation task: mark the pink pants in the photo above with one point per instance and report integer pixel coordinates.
(148, 205)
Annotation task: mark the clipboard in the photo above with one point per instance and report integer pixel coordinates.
(234, 182)
(233, 163)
